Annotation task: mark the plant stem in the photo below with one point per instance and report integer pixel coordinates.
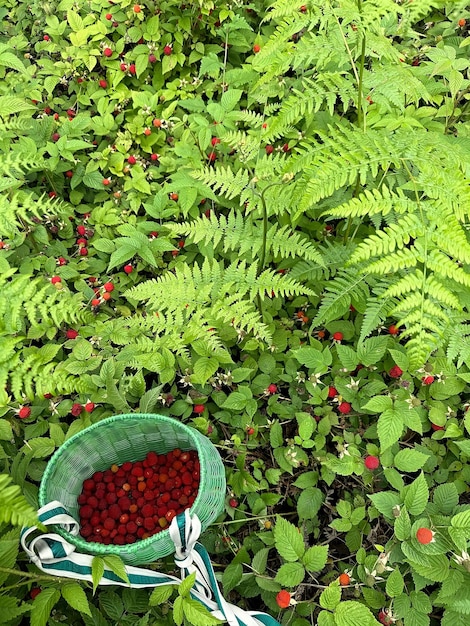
(29, 575)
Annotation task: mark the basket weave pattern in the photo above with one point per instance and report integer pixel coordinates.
(129, 438)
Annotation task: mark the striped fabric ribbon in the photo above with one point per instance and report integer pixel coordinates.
(52, 554)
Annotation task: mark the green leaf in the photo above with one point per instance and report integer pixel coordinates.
(325, 619)
(231, 577)
(75, 21)
(400, 358)
(9, 548)
(315, 558)
(290, 574)
(395, 584)
(39, 447)
(461, 520)
(10, 104)
(313, 359)
(197, 614)
(97, 571)
(347, 356)
(435, 567)
(161, 594)
(378, 404)
(230, 98)
(402, 525)
(416, 495)
(117, 566)
(75, 596)
(288, 540)
(235, 401)
(9, 609)
(260, 560)
(6, 432)
(42, 606)
(350, 613)
(389, 428)
(331, 596)
(385, 501)
(409, 460)
(309, 503)
(276, 437)
(204, 368)
(446, 497)
(186, 585)
(178, 614)
(374, 599)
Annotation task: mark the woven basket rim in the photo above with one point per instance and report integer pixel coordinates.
(79, 541)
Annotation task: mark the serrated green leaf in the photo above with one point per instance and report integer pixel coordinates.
(315, 558)
(331, 596)
(402, 525)
(186, 585)
(374, 599)
(260, 560)
(385, 501)
(416, 495)
(39, 447)
(435, 567)
(197, 614)
(389, 428)
(117, 566)
(204, 368)
(325, 619)
(178, 614)
(6, 432)
(97, 571)
(461, 520)
(395, 584)
(288, 540)
(10, 610)
(446, 497)
(378, 404)
(309, 502)
(75, 596)
(276, 437)
(231, 577)
(409, 460)
(161, 594)
(290, 574)
(42, 606)
(350, 613)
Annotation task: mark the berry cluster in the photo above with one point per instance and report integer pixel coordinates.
(136, 500)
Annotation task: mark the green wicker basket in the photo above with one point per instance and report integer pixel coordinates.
(129, 438)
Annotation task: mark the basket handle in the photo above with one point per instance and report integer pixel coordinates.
(52, 554)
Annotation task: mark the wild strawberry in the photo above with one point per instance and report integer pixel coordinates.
(106, 296)
(23, 412)
(108, 52)
(128, 268)
(395, 372)
(147, 132)
(215, 141)
(89, 406)
(181, 243)
(256, 48)
(152, 58)
(76, 409)
(132, 69)
(106, 182)
(81, 230)
(95, 302)
(436, 427)
(108, 287)
(81, 242)
(272, 388)
(154, 156)
(102, 83)
(123, 67)
(283, 599)
(198, 409)
(71, 333)
(427, 380)
(69, 174)
(393, 330)
(137, 8)
(167, 50)
(250, 430)
(108, 16)
(56, 279)
(344, 579)
(211, 157)
(157, 123)
(462, 22)
(52, 194)
(385, 618)
(425, 536)
(35, 591)
(344, 407)
(332, 392)
(269, 149)
(338, 336)
(233, 503)
(83, 251)
(285, 147)
(303, 8)
(55, 137)
(174, 196)
(372, 462)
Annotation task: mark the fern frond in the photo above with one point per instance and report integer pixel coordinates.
(339, 294)
(223, 180)
(378, 308)
(389, 239)
(14, 508)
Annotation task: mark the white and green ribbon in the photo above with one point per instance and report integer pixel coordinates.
(52, 554)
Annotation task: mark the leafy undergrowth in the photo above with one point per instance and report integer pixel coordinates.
(253, 218)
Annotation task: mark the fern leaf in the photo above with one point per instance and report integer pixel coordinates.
(14, 508)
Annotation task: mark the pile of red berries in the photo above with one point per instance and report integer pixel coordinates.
(133, 501)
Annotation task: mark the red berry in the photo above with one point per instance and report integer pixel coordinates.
(167, 50)
(52, 194)
(283, 599)
(338, 336)
(103, 84)
(76, 409)
(344, 579)
(108, 16)
(35, 591)
(332, 392)
(174, 196)
(55, 137)
(344, 407)
(154, 156)
(24, 412)
(233, 503)
(393, 330)
(272, 388)
(269, 149)
(81, 230)
(215, 141)
(211, 157)
(256, 48)
(285, 147)
(89, 406)
(427, 380)
(250, 430)
(132, 69)
(132, 160)
(106, 182)
(83, 251)
(436, 427)
(372, 462)
(95, 302)
(137, 8)
(462, 22)
(395, 372)
(56, 279)
(424, 535)
(71, 333)
(108, 287)
(198, 408)
(128, 268)
(152, 58)
(107, 52)
(303, 8)
(123, 67)
(385, 619)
